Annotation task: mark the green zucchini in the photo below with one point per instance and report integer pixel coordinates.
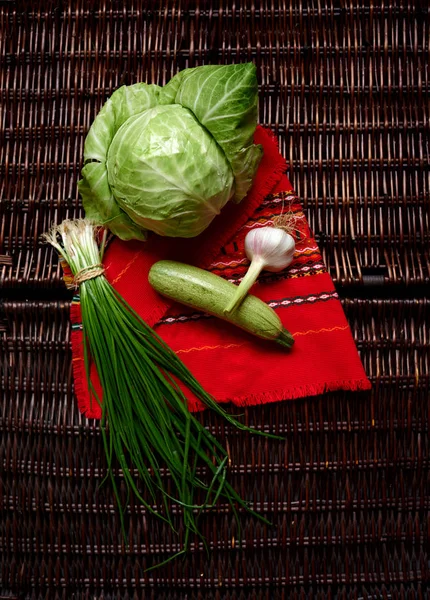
(209, 293)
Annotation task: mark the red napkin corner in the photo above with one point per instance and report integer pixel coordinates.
(232, 365)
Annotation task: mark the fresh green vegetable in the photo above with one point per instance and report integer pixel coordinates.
(208, 292)
(146, 424)
(167, 159)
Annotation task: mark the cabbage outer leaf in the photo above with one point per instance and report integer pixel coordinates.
(98, 200)
(225, 101)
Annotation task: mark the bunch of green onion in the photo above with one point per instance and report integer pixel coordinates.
(145, 420)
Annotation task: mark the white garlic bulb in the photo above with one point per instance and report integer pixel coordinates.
(267, 248)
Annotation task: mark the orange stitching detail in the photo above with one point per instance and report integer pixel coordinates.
(126, 268)
(298, 333)
(185, 351)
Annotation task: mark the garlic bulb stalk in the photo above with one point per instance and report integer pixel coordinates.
(268, 248)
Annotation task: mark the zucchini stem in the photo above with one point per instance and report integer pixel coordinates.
(285, 338)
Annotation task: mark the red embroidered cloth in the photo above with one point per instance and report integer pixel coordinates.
(230, 363)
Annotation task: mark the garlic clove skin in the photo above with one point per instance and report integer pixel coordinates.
(272, 246)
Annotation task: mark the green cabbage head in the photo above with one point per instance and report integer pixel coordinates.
(167, 159)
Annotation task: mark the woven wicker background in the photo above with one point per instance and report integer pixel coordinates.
(345, 85)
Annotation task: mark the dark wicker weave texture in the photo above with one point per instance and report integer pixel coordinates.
(345, 86)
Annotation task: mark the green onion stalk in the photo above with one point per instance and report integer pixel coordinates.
(145, 424)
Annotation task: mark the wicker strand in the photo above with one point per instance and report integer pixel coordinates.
(345, 88)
